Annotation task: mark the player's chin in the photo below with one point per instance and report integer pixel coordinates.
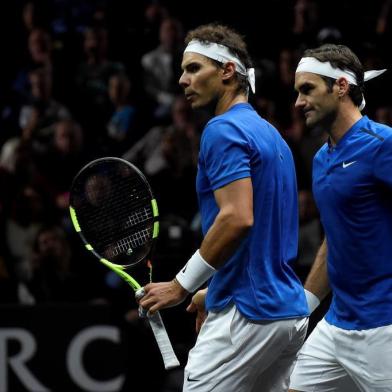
(310, 121)
(195, 104)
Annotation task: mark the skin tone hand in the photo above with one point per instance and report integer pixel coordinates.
(198, 305)
(162, 295)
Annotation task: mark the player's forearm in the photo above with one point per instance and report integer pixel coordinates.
(219, 244)
(234, 219)
(317, 281)
(224, 237)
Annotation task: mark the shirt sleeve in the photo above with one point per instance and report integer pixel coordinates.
(225, 153)
(383, 162)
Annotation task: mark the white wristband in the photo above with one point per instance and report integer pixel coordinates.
(312, 300)
(194, 273)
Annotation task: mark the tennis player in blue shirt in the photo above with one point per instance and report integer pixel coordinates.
(246, 185)
(351, 348)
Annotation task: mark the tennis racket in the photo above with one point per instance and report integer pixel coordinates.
(114, 212)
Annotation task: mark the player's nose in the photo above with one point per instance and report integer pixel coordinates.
(184, 80)
(300, 102)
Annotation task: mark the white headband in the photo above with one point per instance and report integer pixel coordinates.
(222, 54)
(311, 64)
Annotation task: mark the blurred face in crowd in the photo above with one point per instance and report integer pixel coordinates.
(95, 42)
(67, 137)
(287, 63)
(39, 45)
(118, 90)
(50, 243)
(318, 103)
(97, 190)
(169, 33)
(383, 115)
(28, 15)
(200, 80)
(41, 84)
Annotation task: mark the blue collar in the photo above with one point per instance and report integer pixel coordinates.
(355, 127)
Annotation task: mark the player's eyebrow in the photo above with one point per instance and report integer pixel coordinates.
(191, 66)
(304, 87)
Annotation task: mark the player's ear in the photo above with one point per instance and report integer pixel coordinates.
(343, 87)
(228, 70)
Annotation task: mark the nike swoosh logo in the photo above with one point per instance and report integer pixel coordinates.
(348, 164)
(191, 379)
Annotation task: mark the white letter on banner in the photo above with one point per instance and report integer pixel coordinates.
(75, 363)
(17, 362)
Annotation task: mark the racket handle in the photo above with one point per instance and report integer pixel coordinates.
(138, 295)
(158, 328)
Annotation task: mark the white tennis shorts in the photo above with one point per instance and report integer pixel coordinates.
(233, 354)
(334, 359)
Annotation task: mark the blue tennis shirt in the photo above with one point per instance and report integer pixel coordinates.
(352, 186)
(259, 277)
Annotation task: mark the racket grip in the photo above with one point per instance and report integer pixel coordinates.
(158, 328)
(138, 295)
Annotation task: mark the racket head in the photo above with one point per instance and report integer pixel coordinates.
(114, 211)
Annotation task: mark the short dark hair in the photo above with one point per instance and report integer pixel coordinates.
(340, 56)
(228, 37)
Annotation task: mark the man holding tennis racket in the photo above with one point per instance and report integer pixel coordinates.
(246, 185)
(351, 347)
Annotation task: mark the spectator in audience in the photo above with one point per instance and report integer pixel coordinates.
(283, 91)
(383, 115)
(92, 100)
(384, 18)
(161, 65)
(35, 120)
(40, 56)
(306, 20)
(154, 14)
(41, 97)
(53, 279)
(168, 156)
(63, 157)
(121, 126)
(28, 210)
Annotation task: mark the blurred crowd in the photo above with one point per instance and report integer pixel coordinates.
(86, 79)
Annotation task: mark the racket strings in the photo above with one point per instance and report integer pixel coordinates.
(133, 241)
(114, 208)
(122, 199)
(139, 216)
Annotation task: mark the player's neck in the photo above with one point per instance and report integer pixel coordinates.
(228, 100)
(345, 119)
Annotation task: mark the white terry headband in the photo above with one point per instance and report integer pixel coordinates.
(222, 54)
(312, 65)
